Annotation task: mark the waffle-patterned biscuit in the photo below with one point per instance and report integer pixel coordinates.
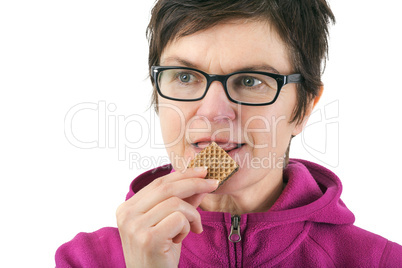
(220, 165)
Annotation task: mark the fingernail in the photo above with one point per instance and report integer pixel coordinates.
(200, 169)
(212, 181)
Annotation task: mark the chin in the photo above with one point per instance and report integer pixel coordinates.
(236, 183)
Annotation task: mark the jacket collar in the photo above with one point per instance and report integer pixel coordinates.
(312, 193)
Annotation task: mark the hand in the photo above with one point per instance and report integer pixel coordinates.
(153, 223)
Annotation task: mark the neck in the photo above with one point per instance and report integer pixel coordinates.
(256, 198)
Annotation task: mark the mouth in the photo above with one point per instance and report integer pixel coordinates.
(229, 147)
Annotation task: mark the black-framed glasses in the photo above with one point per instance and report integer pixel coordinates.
(245, 87)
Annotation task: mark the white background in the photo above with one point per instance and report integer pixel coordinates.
(57, 54)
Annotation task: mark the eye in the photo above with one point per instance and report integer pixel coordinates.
(185, 77)
(249, 81)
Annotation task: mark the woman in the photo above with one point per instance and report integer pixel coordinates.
(246, 75)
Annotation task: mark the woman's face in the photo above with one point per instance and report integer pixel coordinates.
(262, 133)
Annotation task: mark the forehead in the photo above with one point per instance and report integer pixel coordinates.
(229, 47)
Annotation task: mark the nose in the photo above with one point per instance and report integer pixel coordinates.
(216, 106)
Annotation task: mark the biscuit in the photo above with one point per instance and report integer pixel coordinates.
(220, 165)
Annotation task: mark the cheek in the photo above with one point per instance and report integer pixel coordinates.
(265, 132)
(268, 132)
(172, 121)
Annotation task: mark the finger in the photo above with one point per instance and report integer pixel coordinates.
(200, 172)
(167, 207)
(196, 199)
(197, 172)
(182, 189)
(174, 227)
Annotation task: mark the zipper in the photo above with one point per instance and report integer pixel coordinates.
(234, 235)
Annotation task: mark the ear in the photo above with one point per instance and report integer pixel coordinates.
(300, 126)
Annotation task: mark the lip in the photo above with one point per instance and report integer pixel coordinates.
(232, 148)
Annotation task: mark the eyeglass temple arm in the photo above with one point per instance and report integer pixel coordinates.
(293, 78)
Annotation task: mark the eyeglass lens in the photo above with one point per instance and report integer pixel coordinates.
(187, 84)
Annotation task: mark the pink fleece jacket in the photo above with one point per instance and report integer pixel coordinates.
(308, 226)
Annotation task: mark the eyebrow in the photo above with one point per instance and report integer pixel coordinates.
(180, 61)
(251, 68)
(260, 67)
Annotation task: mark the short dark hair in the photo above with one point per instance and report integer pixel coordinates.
(301, 24)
